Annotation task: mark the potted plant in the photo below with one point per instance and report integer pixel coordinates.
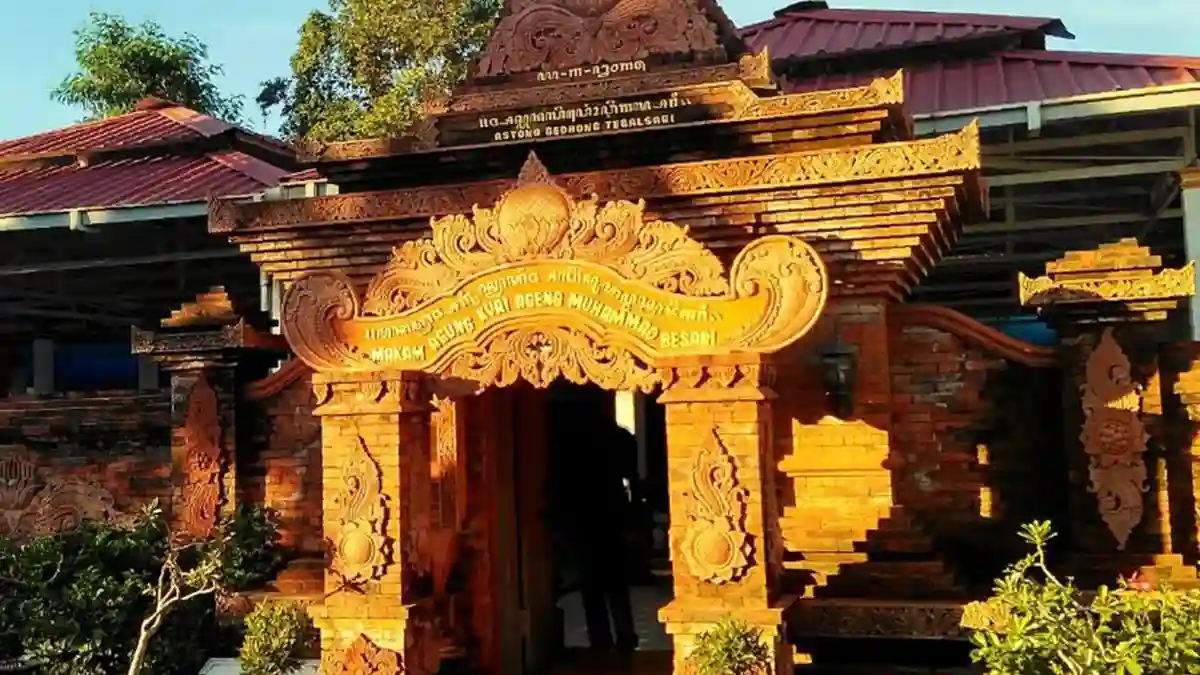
(276, 632)
(732, 647)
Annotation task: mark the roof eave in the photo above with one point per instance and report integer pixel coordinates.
(1034, 114)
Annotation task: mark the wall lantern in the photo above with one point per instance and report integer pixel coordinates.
(839, 373)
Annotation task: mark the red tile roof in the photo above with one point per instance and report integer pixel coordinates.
(160, 154)
(809, 30)
(1018, 77)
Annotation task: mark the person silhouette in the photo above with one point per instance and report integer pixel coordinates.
(597, 488)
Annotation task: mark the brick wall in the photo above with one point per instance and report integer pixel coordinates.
(949, 448)
(83, 453)
(282, 468)
(976, 444)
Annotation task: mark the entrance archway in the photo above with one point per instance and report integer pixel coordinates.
(538, 288)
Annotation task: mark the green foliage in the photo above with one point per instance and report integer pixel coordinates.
(248, 550)
(120, 64)
(1037, 624)
(75, 601)
(364, 68)
(275, 635)
(732, 647)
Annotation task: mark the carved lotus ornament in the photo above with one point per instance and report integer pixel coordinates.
(360, 548)
(715, 546)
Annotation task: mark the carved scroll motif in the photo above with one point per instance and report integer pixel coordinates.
(542, 286)
(1114, 438)
(201, 460)
(30, 505)
(715, 544)
(363, 657)
(360, 546)
(563, 34)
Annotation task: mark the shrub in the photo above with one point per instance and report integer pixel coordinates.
(1038, 624)
(732, 647)
(74, 601)
(249, 551)
(275, 635)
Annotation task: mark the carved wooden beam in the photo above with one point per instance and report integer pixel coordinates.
(956, 153)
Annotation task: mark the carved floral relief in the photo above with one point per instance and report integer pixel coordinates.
(360, 547)
(363, 657)
(715, 545)
(1114, 438)
(201, 460)
(33, 505)
(562, 34)
(542, 286)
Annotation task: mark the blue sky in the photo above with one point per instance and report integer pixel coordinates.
(253, 39)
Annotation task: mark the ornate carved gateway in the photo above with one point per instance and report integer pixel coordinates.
(542, 286)
(655, 257)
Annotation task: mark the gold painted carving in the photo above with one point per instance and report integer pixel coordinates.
(1167, 283)
(951, 153)
(715, 545)
(359, 551)
(1114, 438)
(564, 34)
(201, 460)
(537, 221)
(212, 308)
(31, 505)
(363, 657)
(543, 286)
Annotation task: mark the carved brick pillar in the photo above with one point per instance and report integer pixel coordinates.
(210, 350)
(1110, 306)
(726, 550)
(378, 615)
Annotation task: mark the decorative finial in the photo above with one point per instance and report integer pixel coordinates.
(535, 173)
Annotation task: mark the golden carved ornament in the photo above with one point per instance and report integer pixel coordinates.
(363, 657)
(360, 546)
(1114, 438)
(1166, 284)
(538, 221)
(561, 34)
(201, 460)
(543, 286)
(715, 545)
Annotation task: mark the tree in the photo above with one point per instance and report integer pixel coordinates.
(121, 64)
(364, 68)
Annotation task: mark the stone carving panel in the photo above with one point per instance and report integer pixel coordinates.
(543, 286)
(363, 657)
(34, 504)
(715, 545)
(1114, 438)
(553, 35)
(360, 546)
(202, 461)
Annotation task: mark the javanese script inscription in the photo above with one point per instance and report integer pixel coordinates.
(590, 118)
(599, 71)
(659, 321)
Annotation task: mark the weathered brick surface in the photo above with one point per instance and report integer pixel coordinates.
(282, 469)
(119, 440)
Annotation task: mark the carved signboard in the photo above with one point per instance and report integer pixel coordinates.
(542, 286)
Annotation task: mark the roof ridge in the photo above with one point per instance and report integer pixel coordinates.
(201, 123)
(1050, 25)
(249, 166)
